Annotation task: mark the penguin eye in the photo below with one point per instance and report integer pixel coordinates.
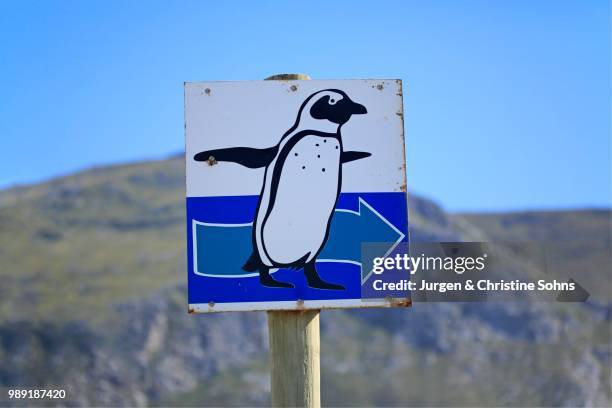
(332, 101)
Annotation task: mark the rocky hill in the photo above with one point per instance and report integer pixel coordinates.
(93, 300)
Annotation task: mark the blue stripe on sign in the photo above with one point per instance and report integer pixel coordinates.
(220, 228)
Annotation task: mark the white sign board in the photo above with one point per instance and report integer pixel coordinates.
(285, 182)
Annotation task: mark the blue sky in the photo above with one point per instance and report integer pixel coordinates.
(507, 104)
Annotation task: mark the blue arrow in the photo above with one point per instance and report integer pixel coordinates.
(348, 230)
(211, 242)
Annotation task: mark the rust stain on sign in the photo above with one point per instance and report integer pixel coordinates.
(401, 90)
(399, 302)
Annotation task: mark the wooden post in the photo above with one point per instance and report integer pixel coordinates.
(295, 358)
(295, 346)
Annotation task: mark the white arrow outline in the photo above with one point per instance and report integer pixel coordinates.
(250, 224)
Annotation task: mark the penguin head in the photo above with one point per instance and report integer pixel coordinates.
(335, 106)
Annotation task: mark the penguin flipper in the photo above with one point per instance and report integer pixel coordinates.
(246, 156)
(352, 156)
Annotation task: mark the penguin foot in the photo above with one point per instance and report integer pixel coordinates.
(317, 283)
(270, 282)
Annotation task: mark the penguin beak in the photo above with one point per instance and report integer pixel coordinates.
(358, 109)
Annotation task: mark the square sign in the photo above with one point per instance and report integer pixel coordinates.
(286, 181)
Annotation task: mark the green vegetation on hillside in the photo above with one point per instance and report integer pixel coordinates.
(93, 299)
(71, 247)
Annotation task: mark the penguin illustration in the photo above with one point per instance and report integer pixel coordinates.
(301, 185)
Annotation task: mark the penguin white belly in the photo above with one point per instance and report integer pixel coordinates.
(304, 202)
